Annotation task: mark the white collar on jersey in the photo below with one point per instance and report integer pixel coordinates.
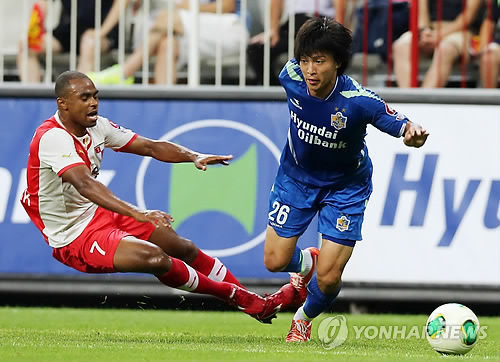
(329, 95)
(58, 119)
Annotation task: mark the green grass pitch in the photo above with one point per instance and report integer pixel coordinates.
(58, 334)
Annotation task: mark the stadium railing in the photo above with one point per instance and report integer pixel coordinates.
(370, 69)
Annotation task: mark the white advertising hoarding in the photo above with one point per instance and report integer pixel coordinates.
(436, 220)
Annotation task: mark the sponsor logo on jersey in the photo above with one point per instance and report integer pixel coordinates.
(295, 102)
(339, 121)
(343, 223)
(311, 134)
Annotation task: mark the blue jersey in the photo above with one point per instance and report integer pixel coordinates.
(326, 138)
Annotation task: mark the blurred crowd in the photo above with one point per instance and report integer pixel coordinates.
(452, 34)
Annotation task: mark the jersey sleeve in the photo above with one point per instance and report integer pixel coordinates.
(387, 119)
(378, 113)
(116, 137)
(57, 151)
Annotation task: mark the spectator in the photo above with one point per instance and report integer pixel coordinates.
(490, 47)
(377, 25)
(303, 10)
(212, 26)
(37, 38)
(443, 41)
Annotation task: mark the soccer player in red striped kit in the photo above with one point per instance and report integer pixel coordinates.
(91, 230)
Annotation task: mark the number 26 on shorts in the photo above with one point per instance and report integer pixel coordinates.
(279, 213)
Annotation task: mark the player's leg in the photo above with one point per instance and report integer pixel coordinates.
(178, 247)
(135, 255)
(281, 254)
(291, 209)
(339, 221)
(102, 248)
(322, 290)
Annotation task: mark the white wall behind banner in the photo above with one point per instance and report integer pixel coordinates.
(434, 214)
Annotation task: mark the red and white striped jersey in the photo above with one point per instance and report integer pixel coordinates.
(56, 207)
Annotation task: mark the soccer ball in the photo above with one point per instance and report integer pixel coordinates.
(452, 329)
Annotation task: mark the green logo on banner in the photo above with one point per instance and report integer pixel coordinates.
(231, 190)
(234, 191)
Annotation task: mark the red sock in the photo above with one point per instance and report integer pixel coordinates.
(214, 269)
(182, 276)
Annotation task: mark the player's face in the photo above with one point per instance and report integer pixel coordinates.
(82, 103)
(320, 72)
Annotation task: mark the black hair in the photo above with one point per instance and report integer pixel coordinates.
(63, 81)
(324, 35)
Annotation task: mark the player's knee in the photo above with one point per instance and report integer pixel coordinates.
(189, 250)
(274, 263)
(156, 261)
(329, 281)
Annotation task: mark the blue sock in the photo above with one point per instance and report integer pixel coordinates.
(295, 264)
(316, 301)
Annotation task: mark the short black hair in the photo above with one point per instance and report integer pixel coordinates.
(63, 80)
(324, 35)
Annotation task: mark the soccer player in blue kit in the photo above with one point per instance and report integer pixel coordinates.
(324, 167)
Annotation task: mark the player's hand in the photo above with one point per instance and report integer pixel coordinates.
(203, 160)
(415, 135)
(156, 217)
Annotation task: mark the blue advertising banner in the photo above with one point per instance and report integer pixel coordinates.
(433, 218)
(223, 210)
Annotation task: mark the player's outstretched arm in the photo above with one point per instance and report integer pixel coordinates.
(81, 178)
(415, 135)
(171, 152)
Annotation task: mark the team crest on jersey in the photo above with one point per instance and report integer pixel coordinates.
(339, 121)
(343, 223)
(392, 112)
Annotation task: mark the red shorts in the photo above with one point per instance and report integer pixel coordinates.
(94, 249)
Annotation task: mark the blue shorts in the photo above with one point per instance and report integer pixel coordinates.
(293, 205)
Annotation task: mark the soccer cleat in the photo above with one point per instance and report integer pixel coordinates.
(300, 331)
(36, 29)
(111, 75)
(300, 282)
(246, 301)
(276, 302)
